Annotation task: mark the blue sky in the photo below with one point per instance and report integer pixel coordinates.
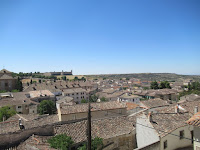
(100, 36)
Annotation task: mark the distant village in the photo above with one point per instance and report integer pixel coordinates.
(126, 113)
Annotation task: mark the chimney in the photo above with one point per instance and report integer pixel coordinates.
(177, 108)
(150, 116)
(195, 109)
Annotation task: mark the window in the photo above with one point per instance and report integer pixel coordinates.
(192, 135)
(182, 134)
(73, 94)
(133, 100)
(19, 106)
(76, 93)
(165, 144)
(6, 84)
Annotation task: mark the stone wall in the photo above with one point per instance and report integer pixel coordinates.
(122, 142)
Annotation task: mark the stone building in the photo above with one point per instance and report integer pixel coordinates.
(7, 82)
(58, 73)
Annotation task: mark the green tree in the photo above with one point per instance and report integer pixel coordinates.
(3, 91)
(64, 78)
(75, 78)
(15, 90)
(40, 80)
(97, 143)
(165, 84)
(31, 82)
(62, 142)
(104, 78)
(19, 85)
(93, 98)
(127, 78)
(154, 85)
(84, 101)
(6, 112)
(83, 79)
(103, 99)
(47, 107)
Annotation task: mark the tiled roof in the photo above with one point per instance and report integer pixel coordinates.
(6, 76)
(79, 108)
(156, 92)
(18, 98)
(74, 90)
(40, 93)
(167, 122)
(131, 105)
(195, 120)
(104, 128)
(152, 103)
(36, 142)
(4, 71)
(13, 126)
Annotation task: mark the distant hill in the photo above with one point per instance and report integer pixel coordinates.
(148, 76)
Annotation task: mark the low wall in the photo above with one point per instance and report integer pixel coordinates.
(14, 139)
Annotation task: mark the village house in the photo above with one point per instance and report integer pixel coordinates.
(127, 97)
(77, 93)
(41, 95)
(165, 94)
(195, 122)
(98, 110)
(164, 131)
(20, 102)
(7, 82)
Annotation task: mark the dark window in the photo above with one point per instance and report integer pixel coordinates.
(76, 93)
(192, 135)
(6, 84)
(19, 106)
(182, 134)
(165, 144)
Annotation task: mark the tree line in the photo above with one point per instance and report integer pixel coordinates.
(162, 85)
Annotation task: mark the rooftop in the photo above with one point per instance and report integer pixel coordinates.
(80, 108)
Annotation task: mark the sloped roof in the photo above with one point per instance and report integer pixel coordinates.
(195, 120)
(152, 103)
(104, 128)
(80, 108)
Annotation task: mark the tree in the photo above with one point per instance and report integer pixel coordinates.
(84, 101)
(31, 82)
(19, 85)
(6, 112)
(75, 78)
(15, 90)
(62, 142)
(154, 85)
(127, 78)
(165, 84)
(47, 107)
(103, 99)
(83, 79)
(93, 98)
(104, 78)
(64, 78)
(97, 143)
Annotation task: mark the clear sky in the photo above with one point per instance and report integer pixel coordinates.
(100, 36)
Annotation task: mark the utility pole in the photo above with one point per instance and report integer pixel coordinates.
(89, 127)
